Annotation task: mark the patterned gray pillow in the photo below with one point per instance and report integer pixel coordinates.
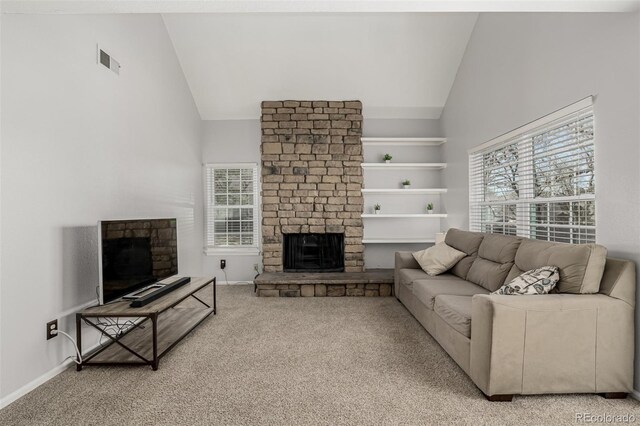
(535, 281)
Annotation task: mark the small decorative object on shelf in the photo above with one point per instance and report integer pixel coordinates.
(406, 184)
(387, 158)
(430, 208)
(376, 209)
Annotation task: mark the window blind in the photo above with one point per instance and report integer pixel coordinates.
(538, 181)
(231, 206)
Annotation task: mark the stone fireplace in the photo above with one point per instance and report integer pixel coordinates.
(312, 178)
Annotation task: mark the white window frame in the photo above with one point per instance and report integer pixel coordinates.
(523, 138)
(209, 203)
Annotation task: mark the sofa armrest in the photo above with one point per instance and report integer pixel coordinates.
(556, 343)
(405, 260)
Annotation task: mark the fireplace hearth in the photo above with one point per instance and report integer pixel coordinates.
(313, 252)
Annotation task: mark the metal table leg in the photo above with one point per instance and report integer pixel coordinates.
(154, 322)
(79, 338)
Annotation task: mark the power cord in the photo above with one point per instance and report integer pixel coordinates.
(114, 328)
(77, 361)
(226, 281)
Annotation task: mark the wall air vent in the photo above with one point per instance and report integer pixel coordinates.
(107, 60)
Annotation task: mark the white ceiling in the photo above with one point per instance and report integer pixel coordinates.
(296, 6)
(398, 65)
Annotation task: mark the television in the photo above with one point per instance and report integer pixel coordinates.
(133, 254)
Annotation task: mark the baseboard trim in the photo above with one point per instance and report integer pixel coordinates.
(235, 283)
(39, 381)
(635, 395)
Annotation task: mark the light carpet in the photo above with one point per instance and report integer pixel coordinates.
(295, 361)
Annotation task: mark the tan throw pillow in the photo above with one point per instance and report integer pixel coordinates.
(438, 259)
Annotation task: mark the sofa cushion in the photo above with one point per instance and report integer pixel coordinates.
(467, 242)
(438, 259)
(409, 276)
(428, 289)
(488, 274)
(581, 265)
(455, 311)
(535, 281)
(499, 248)
(495, 258)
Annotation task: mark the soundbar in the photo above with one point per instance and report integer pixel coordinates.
(148, 298)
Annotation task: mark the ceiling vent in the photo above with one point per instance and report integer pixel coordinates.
(107, 60)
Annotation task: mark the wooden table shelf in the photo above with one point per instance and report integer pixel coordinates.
(156, 329)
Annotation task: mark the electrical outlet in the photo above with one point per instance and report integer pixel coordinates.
(223, 263)
(51, 326)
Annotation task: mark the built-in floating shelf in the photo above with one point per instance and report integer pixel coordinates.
(408, 191)
(397, 240)
(404, 215)
(396, 225)
(403, 141)
(391, 166)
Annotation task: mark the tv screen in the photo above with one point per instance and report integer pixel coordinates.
(134, 254)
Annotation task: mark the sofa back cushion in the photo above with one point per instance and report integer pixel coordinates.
(493, 263)
(619, 280)
(467, 242)
(581, 265)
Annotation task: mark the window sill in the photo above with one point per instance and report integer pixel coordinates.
(232, 251)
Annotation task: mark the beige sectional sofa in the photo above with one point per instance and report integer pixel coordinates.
(579, 339)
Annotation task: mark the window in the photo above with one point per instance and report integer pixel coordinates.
(538, 181)
(231, 209)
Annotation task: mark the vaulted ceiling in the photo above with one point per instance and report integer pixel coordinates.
(399, 57)
(399, 65)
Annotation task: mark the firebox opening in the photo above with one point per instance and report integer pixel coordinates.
(313, 252)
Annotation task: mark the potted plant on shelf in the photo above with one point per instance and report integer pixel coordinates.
(430, 208)
(387, 158)
(406, 183)
(376, 209)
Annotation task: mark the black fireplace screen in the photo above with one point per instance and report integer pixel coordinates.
(313, 252)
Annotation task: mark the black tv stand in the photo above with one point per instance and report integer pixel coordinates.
(159, 292)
